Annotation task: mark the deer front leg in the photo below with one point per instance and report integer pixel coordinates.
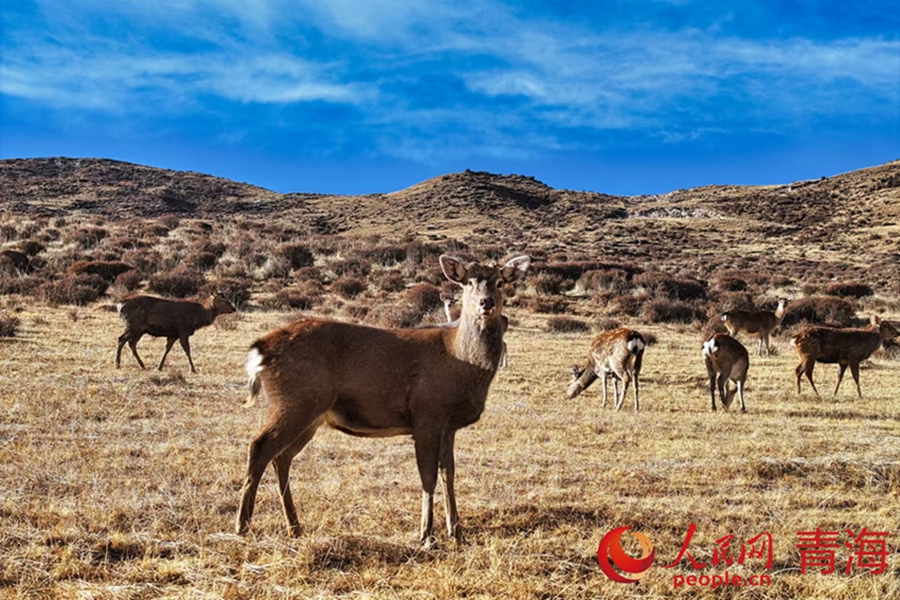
(447, 471)
(427, 452)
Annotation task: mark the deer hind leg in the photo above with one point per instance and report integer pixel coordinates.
(759, 347)
(808, 371)
(169, 343)
(740, 391)
(132, 343)
(635, 377)
(626, 379)
(724, 395)
(711, 373)
(123, 339)
(854, 370)
(282, 466)
(765, 338)
(186, 346)
(428, 447)
(841, 369)
(281, 433)
(603, 377)
(447, 469)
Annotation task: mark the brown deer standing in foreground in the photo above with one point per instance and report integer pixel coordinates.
(846, 347)
(618, 353)
(425, 382)
(726, 360)
(758, 323)
(171, 319)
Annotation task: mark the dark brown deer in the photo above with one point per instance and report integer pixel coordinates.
(618, 353)
(726, 360)
(18, 260)
(845, 347)
(171, 319)
(426, 382)
(755, 323)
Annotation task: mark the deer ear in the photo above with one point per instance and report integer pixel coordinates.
(515, 269)
(453, 269)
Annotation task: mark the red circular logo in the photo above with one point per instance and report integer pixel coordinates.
(610, 552)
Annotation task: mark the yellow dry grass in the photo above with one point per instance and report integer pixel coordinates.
(124, 484)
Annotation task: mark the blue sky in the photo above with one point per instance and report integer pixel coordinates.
(361, 96)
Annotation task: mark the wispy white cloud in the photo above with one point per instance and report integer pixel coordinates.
(527, 80)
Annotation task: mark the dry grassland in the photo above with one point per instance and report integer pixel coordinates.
(124, 484)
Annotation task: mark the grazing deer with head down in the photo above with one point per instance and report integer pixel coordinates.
(16, 259)
(846, 347)
(726, 360)
(171, 319)
(618, 353)
(426, 382)
(758, 323)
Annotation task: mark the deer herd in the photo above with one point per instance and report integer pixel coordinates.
(429, 382)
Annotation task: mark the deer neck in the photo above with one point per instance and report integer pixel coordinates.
(479, 342)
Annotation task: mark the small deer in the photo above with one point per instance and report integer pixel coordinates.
(617, 353)
(18, 260)
(726, 360)
(171, 319)
(755, 323)
(426, 382)
(846, 347)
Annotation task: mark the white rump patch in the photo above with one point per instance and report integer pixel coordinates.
(709, 348)
(635, 345)
(725, 317)
(119, 308)
(254, 364)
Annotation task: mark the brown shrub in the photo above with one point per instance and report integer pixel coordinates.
(612, 280)
(31, 248)
(424, 297)
(351, 267)
(87, 237)
(9, 325)
(128, 281)
(820, 309)
(547, 305)
(549, 284)
(566, 325)
(389, 281)
(848, 290)
(663, 310)
(394, 316)
(78, 290)
(297, 255)
(348, 287)
(661, 285)
(106, 270)
(730, 283)
(201, 261)
(180, 283)
(236, 291)
(385, 255)
(628, 304)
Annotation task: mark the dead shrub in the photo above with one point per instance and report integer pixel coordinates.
(820, 310)
(663, 310)
(606, 324)
(661, 285)
(549, 284)
(394, 316)
(201, 261)
(389, 281)
(348, 287)
(297, 255)
(78, 290)
(87, 237)
(424, 297)
(31, 248)
(236, 291)
(106, 270)
(9, 325)
(566, 325)
(128, 281)
(547, 305)
(848, 290)
(180, 283)
(730, 283)
(386, 255)
(351, 267)
(604, 280)
(628, 304)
